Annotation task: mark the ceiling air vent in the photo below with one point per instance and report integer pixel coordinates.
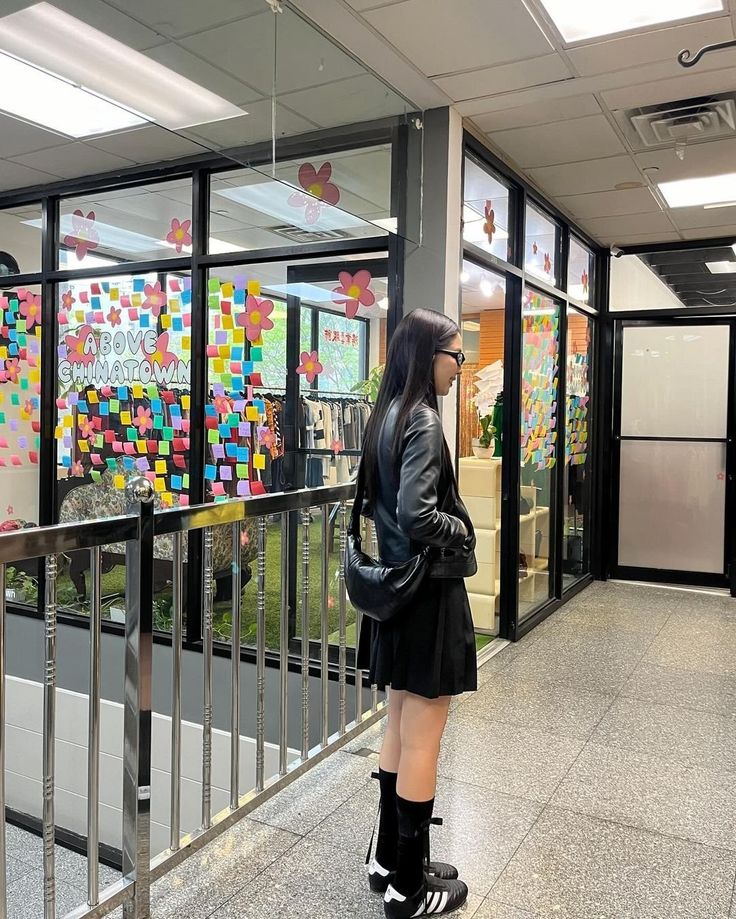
(298, 235)
(686, 121)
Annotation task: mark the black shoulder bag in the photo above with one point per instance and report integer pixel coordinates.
(377, 590)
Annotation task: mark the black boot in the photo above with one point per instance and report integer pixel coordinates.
(412, 892)
(382, 867)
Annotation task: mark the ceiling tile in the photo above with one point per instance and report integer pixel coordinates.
(660, 45)
(710, 232)
(148, 144)
(616, 229)
(640, 239)
(578, 178)
(691, 218)
(205, 74)
(610, 203)
(561, 142)
(686, 86)
(252, 128)
(700, 160)
(74, 160)
(442, 38)
(113, 22)
(246, 51)
(176, 18)
(18, 137)
(370, 4)
(15, 175)
(505, 78)
(362, 98)
(538, 113)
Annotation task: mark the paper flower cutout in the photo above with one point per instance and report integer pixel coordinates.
(30, 307)
(336, 447)
(535, 248)
(547, 263)
(28, 408)
(84, 236)
(317, 184)
(86, 428)
(584, 279)
(489, 227)
(267, 438)
(155, 298)
(113, 317)
(12, 370)
(82, 346)
(77, 469)
(255, 318)
(354, 291)
(67, 300)
(223, 406)
(143, 420)
(310, 365)
(179, 235)
(162, 355)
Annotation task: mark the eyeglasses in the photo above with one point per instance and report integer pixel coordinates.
(458, 355)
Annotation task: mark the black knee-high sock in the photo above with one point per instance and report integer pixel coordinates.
(414, 817)
(388, 827)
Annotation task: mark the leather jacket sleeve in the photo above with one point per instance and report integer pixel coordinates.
(417, 504)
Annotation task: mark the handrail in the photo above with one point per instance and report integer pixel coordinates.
(35, 542)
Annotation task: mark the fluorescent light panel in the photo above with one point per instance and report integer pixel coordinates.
(50, 102)
(578, 20)
(721, 267)
(60, 44)
(701, 191)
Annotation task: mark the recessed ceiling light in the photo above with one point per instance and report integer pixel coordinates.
(50, 102)
(67, 47)
(721, 267)
(698, 192)
(578, 20)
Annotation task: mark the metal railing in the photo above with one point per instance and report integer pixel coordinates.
(138, 530)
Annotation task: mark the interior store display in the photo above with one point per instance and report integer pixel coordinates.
(335, 424)
(479, 483)
(489, 390)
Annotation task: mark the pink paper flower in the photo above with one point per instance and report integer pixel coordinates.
(80, 346)
(310, 365)
(179, 235)
(255, 318)
(162, 355)
(336, 447)
(354, 291)
(77, 469)
(320, 189)
(584, 279)
(143, 420)
(30, 307)
(12, 370)
(155, 298)
(547, 263)
(113, 317)
(28, 408)
(223, 406)
(67, 300)
(267, 438)
(84, 236)
(489, 227)
(86, 427)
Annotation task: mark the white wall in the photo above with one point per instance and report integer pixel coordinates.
(634, 286)
(24, 764)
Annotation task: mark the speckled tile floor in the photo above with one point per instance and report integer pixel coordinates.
(592, 776)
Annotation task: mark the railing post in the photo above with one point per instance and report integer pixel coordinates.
(138, 674)
(49, 741)
(261, 657)
(306, 535)
(3, 876)
(343, 600)
(207, 689)
(324, 670)
(93, 743)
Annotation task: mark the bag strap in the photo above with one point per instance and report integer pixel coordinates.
(354, 523)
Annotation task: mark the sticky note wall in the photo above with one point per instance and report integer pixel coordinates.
(539, 385)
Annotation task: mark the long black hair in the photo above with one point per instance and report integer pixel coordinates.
(409, 374)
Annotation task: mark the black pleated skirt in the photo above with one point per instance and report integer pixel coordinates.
(428, 649)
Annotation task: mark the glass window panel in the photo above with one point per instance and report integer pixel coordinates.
(20, 387)
(480, 423)
(636, 285)
(486, 211)
(672, 505)
(673, 381)
(20, 240)
(539, 432)
(577, 483)
(541, 246)
(336, 196)
(126, 225)
(580, 269)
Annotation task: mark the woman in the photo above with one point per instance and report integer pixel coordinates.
(426, 654)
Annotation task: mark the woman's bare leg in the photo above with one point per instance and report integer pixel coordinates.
(391, 748)
(422, 725)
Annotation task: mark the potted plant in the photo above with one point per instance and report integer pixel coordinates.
(483, 445)
(371, 386)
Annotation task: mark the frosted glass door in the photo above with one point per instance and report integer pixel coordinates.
(674, 416)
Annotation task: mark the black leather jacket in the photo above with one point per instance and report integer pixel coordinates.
(420, 505)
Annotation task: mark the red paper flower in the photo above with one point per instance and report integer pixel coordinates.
(81, 346)
(143, 420)
(179, 235)
(86, 427)
(155, 298)
(223, 406)
(489, 227)
(310, 365)
(317, 184)
(547, 263)
(30, 307)
(84, 236)
(354, 291)
(67, 300)
(12, 370)
(255, 318)
(162, 355)
(113, 317)
(584, 281)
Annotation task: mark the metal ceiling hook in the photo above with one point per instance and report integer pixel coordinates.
(687, 59)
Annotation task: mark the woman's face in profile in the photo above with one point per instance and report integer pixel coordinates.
(446, 368)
